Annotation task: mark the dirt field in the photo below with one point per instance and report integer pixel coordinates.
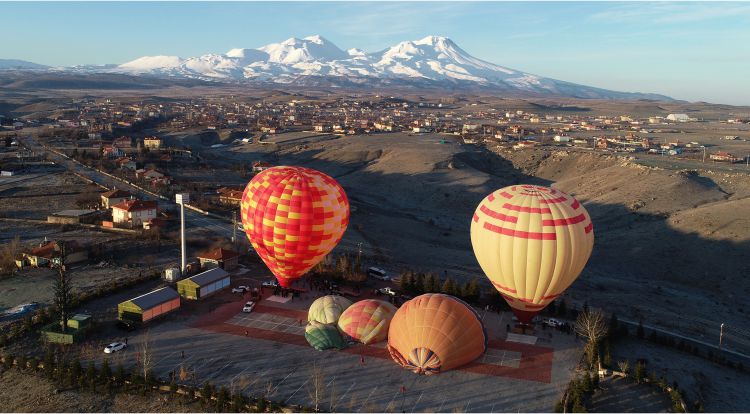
(29, 393)
(37, 194)
(720, 388)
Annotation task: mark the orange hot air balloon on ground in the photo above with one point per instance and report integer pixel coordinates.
(435, 332)
(293, 217)
(532, 242)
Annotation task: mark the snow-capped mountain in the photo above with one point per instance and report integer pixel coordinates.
(433, 61)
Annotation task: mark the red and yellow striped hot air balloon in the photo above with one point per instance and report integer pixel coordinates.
(367, 321)
(293, 217)
(532, 242)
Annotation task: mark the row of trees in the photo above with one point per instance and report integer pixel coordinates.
(414, 283)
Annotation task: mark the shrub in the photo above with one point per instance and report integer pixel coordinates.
(206, 392)
(21, 362)
(639, 373)
(105, 372)
(173, 386)
(559, 407)
(221, 399)
(8, 363)
(262, 405)
(120, 374)
(238, 403)
(91, 371)
(75, 371)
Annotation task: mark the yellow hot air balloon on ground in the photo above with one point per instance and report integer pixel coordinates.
(532, 242)
(435, 332)
(367, 321)
(327, 309)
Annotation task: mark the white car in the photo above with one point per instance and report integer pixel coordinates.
(114, 347)
(240, 289)
(387, 291)
(248, 307)
(271, 284)
(553, 322)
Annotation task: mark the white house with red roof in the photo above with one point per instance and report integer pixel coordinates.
(134, 212)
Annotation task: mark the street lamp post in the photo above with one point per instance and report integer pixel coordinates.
(182, 199)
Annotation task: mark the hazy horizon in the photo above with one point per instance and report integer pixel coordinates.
(686, 51)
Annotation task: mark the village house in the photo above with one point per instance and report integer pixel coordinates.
(322, 128)
(48, 253)
(223, 258)
(114, 196)
(152, 142)
(134, 212)
(125, 163)
(724, 157)
(259, 166)
(112, 151)
(229, 196)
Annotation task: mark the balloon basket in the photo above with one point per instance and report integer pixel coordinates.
(524, 328)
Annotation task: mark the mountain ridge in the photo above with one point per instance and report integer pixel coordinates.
(430, 62)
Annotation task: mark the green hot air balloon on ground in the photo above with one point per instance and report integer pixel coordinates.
(328, 309)
(322, 336)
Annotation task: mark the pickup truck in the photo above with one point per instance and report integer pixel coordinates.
(387, 291)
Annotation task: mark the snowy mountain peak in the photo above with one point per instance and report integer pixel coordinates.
(309, 49)
(150, 63)
(433, 40)
(317, 39)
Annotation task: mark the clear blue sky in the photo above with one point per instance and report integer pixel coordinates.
(694, 51)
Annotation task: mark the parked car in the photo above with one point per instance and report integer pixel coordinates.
(378, 273)
(240, 289)
(553, 322)
(114, 347)
(248, 307)
(125, 326)
(270, 283)
(387, 291)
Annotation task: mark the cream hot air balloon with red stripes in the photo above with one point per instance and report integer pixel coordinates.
(532, 242)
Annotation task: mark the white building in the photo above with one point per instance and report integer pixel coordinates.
(678, 117)
(134, 212)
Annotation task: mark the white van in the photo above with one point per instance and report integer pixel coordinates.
(378, 273)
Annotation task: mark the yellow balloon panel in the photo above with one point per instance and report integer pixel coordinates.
(532, 242)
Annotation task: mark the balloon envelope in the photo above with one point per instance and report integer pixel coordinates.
(293, 217)
(367, 321)
(435, 332)
(532, 242)
(328, 309)
(321, 336)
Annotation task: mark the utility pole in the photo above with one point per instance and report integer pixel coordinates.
(721, 335)
(704, 154)
(181, 199)
(234, 227)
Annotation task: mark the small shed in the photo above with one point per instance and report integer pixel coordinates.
(146, 307)
(204, 284)
(79, 321)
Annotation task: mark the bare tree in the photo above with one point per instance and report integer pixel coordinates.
(147, 357)
(317, 386)
(590, 324)
(8, 256)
